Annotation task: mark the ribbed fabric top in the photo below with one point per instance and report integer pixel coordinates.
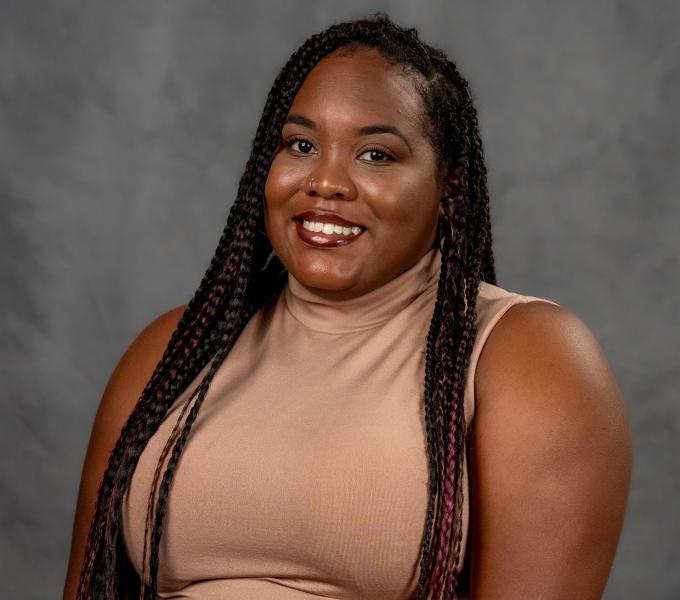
(305, 473)
(369, 310)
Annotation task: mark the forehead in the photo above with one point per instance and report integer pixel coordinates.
(357, 87)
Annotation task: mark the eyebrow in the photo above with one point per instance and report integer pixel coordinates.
(365, 130)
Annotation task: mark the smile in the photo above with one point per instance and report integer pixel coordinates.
(326, 235)
(329, 228)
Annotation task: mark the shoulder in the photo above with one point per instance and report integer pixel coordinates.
(542, 362)
(137, 363)
(539, 346)
(148, 346)
(131, 374)
(128, 379)
(551, 455)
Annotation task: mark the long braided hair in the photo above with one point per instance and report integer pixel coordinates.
(244, 273)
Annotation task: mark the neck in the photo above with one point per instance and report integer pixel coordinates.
(324, 311)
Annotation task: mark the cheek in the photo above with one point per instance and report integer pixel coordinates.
(282, 183)
(407, 201)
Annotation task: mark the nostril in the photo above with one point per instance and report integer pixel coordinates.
(330, 190)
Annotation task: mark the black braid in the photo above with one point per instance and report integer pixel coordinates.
(243, 275)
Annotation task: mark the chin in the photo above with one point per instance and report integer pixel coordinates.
(323, 281)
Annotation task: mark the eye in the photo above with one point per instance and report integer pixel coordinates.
(304, 146)
(378, 155)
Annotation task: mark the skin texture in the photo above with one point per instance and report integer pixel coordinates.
(393, 193)
(551, 452)
(551, 459)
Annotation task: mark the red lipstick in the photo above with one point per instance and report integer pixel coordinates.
(322, 217)
(319, 239)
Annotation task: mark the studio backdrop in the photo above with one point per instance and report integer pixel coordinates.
(125, 126)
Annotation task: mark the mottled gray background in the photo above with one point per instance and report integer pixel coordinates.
(124, 127)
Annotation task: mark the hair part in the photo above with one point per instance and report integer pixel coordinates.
(244, 274)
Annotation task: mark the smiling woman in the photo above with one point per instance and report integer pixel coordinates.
(354, 153)
(349, 406)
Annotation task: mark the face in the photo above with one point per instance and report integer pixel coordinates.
(353, 153)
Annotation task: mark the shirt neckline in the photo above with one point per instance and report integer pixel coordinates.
(368, 310)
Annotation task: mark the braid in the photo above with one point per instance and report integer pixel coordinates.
(244, 274)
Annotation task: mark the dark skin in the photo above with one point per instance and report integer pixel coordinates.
(551, 453)
(382, 181)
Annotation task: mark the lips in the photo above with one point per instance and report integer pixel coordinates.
(322, 240)
(321, 217)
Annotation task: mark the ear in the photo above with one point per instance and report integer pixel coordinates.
(448, 181)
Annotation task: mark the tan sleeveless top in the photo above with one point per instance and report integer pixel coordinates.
(305, 473)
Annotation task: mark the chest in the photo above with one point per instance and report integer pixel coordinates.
(307, 462)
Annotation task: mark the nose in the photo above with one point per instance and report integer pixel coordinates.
(331, 181)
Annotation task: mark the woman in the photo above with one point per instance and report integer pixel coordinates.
(308, 430)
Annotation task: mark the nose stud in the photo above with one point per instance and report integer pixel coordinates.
(329, 190)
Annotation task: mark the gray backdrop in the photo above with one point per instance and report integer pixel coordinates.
(124, 127)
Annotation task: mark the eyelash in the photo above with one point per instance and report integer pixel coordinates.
(291, 140)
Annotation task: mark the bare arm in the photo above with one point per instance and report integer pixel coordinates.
(120, 396)
(551, 460)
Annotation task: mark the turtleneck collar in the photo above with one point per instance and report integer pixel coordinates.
(366, 311)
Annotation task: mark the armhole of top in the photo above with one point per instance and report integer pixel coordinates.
(484, 328)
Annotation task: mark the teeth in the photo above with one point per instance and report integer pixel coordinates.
(330, 228)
